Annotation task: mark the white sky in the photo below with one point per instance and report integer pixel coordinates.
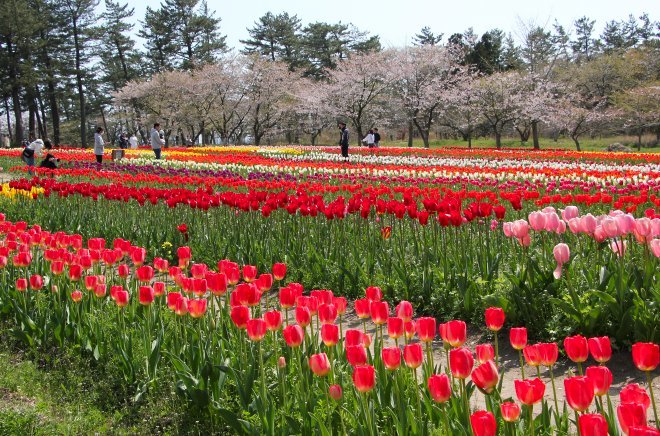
(397, 21)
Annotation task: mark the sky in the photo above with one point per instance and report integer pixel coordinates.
(396, 21)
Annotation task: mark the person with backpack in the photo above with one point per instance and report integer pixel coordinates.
(376, 138)
(29, 152)
(50, 161)
(343, 140)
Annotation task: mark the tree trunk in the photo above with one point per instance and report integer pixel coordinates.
(469, 140)
(42, 109)
(410, 133)
(105, 127)
(639, 140)
(535, 135)
(11, 135)
(577, 143)
(79, 83)
(18, 114)
(498, 140)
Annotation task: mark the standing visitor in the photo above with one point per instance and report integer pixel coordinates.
(369, 139)
(99, 144)
(156, 141)
(376, 138)
(32, 149)
(123, 141)
(133, 140)
(343, 140)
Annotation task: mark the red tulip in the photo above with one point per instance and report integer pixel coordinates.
(330, 334)
(100, 290)
(373, 293)
(461, 362)
(240, 316)
(324, 296)
(529, 391)
(138, 254)
(335, 392)
(293, 335)
(327, 313)
(319, 364)
(249, 273)
(600, 349)
(159, 289)
(146, 295)
(485, 352)
(494, 318)
(198, 270)
(362, 308)
(518, 337)
(199, 286)
(601, 378)
(485, 376)
(340, 303)
(75, 272)
(391, 357)
(279, 271)
(57, 267)
(483, 423)
(593, 425)
(646, 355)
(123, 271)
(354, 337)
(303, 316)
(172, 298)
(549, 353)
(643, 430)
(264, 282)
(395, 327)
(287, 298)
(256, 329)
(379, 312)
(426, 329)
(364, 378)
(36, 282)
(21, 284)
(404, 310)
(630, 415)
(510, 411)
(217, 283)
(197, 308)
(579, 392)
(576, 348)
(455, 333)
(273, 320)
(413, 355)
(356, 355)
(410, 327)
(439, 388)
(532, 355)
(634, 393)
(90, 282)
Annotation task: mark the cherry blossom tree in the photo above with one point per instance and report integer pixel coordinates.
(422, 77)
(498, 99)
(355, 90)
(575, 116)
(640, 108)
(461, 111)
(536, 94)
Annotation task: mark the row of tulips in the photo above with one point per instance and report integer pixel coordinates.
(201, 326)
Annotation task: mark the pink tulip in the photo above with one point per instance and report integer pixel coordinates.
(655, 247)
(507, 228)
(551, 222)
(619, 247)
(610, 227)
(562, 255)
(520, 229)
(588, 224)
(643, 227)
(569, 213)
(574, 225)
(537, 220)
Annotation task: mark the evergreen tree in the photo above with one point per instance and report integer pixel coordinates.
(584, 46)
(538, 49)
(158, 34)
(276, 37)
(118, 56)
(427, 37)
(487, 54)
(511, 56)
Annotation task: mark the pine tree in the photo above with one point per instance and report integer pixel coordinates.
(276, 37)
(427, 37)
(118, 56)
(584, 46)
(158, 34)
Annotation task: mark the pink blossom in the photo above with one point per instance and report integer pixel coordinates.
(569, 213)
(562, 255)
(610, 227)
(588, 224)
(506, 227)
(619, 247)
(574, 225)
(643, 227)
(537, 220)
(551, 221)
(655, 247)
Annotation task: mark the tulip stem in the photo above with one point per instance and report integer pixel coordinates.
(419, 404)
(579, 365)
(465, 398)
(554, 392)
(655, 410)
(577, 422)
(497, 354)
(522, 364)
(531, 419)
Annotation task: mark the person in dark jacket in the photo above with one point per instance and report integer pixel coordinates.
(50, 161)
(343, 140)
(376, 138)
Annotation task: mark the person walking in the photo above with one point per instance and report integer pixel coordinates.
(156, 141)
(29, 152)
(343, 140)
(369, 139)
(99, 144)
(133, 141)
(376, 138)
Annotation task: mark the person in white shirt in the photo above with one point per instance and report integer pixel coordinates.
(99, 144)
(369, 139)
(133, 141)
(30, 151)
(156, 141)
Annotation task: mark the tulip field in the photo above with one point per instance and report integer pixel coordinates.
(282, 290)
